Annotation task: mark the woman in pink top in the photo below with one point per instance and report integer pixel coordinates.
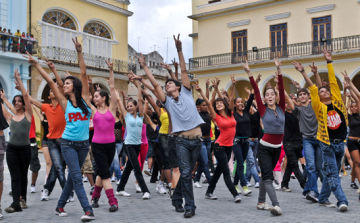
(103, 142)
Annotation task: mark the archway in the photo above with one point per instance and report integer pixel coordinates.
(288, 86)
(240, 88)
(356, 81)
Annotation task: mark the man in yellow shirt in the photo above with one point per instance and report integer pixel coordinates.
(331, 114)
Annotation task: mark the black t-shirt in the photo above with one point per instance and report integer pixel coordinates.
(336, 123)
(118, 132)
(354, 125)
(205, 128)
(150, 133)
(243, 127)
(46, 129)
(292, 127)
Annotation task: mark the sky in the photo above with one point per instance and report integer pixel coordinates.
(154, 20)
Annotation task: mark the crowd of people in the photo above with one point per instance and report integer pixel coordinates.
(17, 42)
(95, 133)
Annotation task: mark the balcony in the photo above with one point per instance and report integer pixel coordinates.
(69, 57)
(291, 51)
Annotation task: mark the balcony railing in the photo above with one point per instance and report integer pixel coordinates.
(69, 57)
(335, 45)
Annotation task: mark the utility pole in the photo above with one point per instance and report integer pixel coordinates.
(167, 48)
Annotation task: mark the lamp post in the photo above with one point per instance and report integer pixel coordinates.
(167, 48)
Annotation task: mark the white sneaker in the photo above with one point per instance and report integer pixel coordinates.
(158, 187)
(117, 183)
(162, 190)
(263, 206)
(358, 191)
(113, 179)
(203, 175)
(71, 199)
(146, 196)
(276, 210)
(257, 185)
(138, 189)
(44, 195)
(249, 184)
(277, 187)
(197, 184)
(343, 207)
(85, 179)
(122, 193)
(32, 189)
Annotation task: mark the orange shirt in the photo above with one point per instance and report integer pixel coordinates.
(227, 127)
(56, 120)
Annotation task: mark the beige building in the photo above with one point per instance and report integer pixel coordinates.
(228, 32)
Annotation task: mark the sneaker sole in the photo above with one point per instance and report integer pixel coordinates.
(87, 219)
(309, 198)
(211, 198)
(327, 206)
(44, 199)
(246, 194)
(343, 208)
(147, 173)
(61, 215)
(275, 212)
(238, 201)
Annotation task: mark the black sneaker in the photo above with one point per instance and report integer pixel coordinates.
(88, 216)
(61, 212)
(205, 181)
(312, 196)
(327, 204)
(210, 196)
(113, 208)
(95, 202)
(354, 186)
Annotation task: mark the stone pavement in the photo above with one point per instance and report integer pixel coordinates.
(159, 208)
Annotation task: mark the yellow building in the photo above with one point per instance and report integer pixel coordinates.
(101, 27)
(227, 32)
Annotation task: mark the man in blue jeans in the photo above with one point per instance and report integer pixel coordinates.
(186, 123)
(312, 152)
(331, 114)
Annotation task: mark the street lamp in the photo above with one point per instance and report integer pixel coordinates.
(167, 47)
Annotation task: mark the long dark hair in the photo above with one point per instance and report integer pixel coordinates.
(227, 109)
(21, 97)
(77, 89)
(103, 93)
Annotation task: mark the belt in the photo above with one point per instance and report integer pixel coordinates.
(189, 137)
(336, 141)
(241, 140)
(292, 142)
(358, 141)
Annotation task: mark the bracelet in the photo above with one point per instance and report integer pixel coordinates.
(329, 61)
(207, 86)
(179, 50)
(140, 79)
(302, 70)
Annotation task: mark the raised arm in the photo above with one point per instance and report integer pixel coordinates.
(35, 102)
(121, 105)
(112, 88)
(6, 113)
(232, 92)
(20, 86)
(314, 70)
(289, 101)
(184, 75)
(299, 67)
(261, 106)
(207, 87)
(58, 95)
(280, 84)
(176, 66)
(159, 91)
(57, 76)
(351, 84)
(140, 105)
(38, 113)
(153, 103)
(168, 68)
(335, 90)
(210, 107)
(7, 102)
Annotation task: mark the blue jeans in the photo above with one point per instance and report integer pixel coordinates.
(240, 149)
(313, 157)
(187, 151)
(115, 165)
(57, 170)
(332, 155)
(74, 153)
(254, 147)
(203, 160)
(251, 168)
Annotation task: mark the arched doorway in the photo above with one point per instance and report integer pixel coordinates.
(356, 81)
(240, 88)
(288, 86)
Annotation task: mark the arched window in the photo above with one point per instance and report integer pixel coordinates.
(97, 29)
(59, 19)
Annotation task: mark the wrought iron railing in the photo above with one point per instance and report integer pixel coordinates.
(69, 57)
(335, 45)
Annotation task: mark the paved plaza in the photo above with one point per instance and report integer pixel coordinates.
(159, 208)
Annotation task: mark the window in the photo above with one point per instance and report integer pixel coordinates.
(239, 46)
(278, 40)
(321, 28)
(59, 19)
(97, 29)
(98, 42)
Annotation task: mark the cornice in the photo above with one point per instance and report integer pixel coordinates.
(277, 16)
(109, 7)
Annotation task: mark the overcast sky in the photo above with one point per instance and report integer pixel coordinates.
(154, 20)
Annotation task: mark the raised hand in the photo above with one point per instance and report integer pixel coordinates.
(213, 84)
(98, 87)
(134, 76)
(31, 59)
(346, 77)
(276, 78)
(247, 90)
(89, 80)
(224, 93)
(176, 64)
(258, 79)
(246, 67)
(207, 82)
(117, 94)
(78, 46)
(346, 85)
(197, 87)
(178, 43)
(298, 66)
(17, 74)
(165, 66)
(314, 68)
(277, 62)
(296, 84)
(327, 55)
(233, 79)
(141, 60)
(49, 63)
(217, 81)
(110, 65)
(67, 74)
